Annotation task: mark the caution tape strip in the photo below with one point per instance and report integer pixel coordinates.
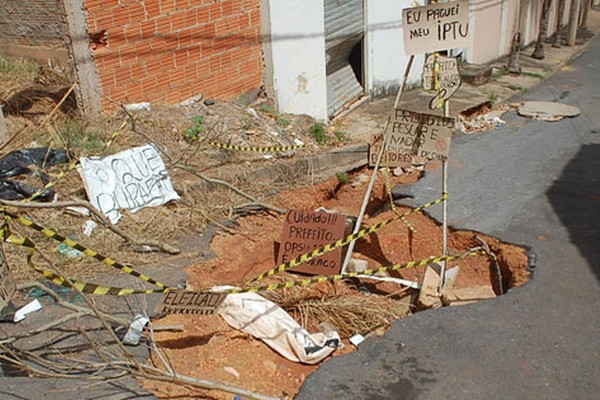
(84, 287)
(342, 242)
(325, 278)
(255, 149)
(388, 188)
(89, 252)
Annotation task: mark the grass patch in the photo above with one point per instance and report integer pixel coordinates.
(317, 131)
(342, 177)
(492, 97)
(341, 136)
(194, 131)
(517, 88)
(75, 136)
(533, 74)
(18, 66)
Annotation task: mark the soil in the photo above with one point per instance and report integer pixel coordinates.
(208, 348)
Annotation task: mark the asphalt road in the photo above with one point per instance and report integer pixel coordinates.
(532, 183)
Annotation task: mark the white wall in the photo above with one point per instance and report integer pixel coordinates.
(297, 47)
(385, 58)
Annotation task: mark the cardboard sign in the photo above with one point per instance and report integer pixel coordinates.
(304, 231)
(7, 284)
(190, 302)
(132, 179)
(436, 27)
(424, 135)
(443, 78)
(390, 157)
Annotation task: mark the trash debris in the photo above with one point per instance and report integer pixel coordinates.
(265, 320)
(7, 283)
(19, 163)
(22, 312)
(89, 227)
(69, 251)
(232, 371)
(547, 110)
(357, 265)
(136, 330)
(483, 122)
(357, 339)
(132, 179)
(450, 277)
(137, 107)
(404, 282)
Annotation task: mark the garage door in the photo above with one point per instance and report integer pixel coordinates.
(344, 30)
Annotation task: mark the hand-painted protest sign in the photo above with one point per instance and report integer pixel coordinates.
(7, 283)
(441, 74)
(424, 135)
(190, 302)
(304, 231)
(436, 27)
(132, 179)
(390, 158)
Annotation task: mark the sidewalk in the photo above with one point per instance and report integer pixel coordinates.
(371, 116)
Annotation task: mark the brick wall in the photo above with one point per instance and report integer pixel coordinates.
(32, 22)
(166, 51)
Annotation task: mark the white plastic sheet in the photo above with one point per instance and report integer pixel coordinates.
(265, 320)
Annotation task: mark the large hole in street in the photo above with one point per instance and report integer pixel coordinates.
(350, 306)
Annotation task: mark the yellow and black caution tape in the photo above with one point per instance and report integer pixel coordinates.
(337, 277)
(84, 287)
(388, 188)
(89, 252)
(342, 242)
(72, 166)
(256, 149)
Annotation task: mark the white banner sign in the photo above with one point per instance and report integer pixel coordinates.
(436, 27)
(132, 179)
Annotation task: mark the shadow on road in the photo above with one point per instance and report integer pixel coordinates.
(575, 197)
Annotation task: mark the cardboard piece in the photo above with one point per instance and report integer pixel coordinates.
(391, 158)
(447, 77)
(428, 296)
(7, 284)
(423, 135)
(132, 179)
(304, 231)
(436, 27)
(463, 296)
(190, 302)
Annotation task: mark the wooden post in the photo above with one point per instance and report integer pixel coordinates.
(365, 203)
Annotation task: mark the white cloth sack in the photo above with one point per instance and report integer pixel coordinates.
(265, 320)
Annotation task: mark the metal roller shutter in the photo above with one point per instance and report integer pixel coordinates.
(344, 29)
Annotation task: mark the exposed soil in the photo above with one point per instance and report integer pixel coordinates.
(209, 349)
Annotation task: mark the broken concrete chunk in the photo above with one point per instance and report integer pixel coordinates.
(547, 110)
(357, 265)
(462, 296)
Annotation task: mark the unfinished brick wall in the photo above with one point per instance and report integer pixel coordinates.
(166, 51)
(32, 22)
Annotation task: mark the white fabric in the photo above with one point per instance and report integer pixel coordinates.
(265, 320)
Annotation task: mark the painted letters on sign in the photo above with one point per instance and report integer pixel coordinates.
(7, 283)
(132, 179)
(304, 231)
(436, 27)
(441, 74)
(190, 302)
(390, 157)
(424, 135)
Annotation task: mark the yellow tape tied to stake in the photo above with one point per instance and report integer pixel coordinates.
(344, 241)
(255, 149)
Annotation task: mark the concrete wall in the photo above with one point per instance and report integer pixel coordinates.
(385, 56)
(169, 50)
(33, 28)
(295, 41)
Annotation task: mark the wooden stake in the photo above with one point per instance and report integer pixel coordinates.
(376, 168)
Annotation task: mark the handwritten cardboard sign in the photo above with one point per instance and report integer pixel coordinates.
(424, 135)
(190, 302)
(132, 179)
(390, 157)
(436, 27)
(440, 73)
(7, 283)
(304, 231)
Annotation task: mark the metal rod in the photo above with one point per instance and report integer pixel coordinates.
(444, 207)
(365, 203)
